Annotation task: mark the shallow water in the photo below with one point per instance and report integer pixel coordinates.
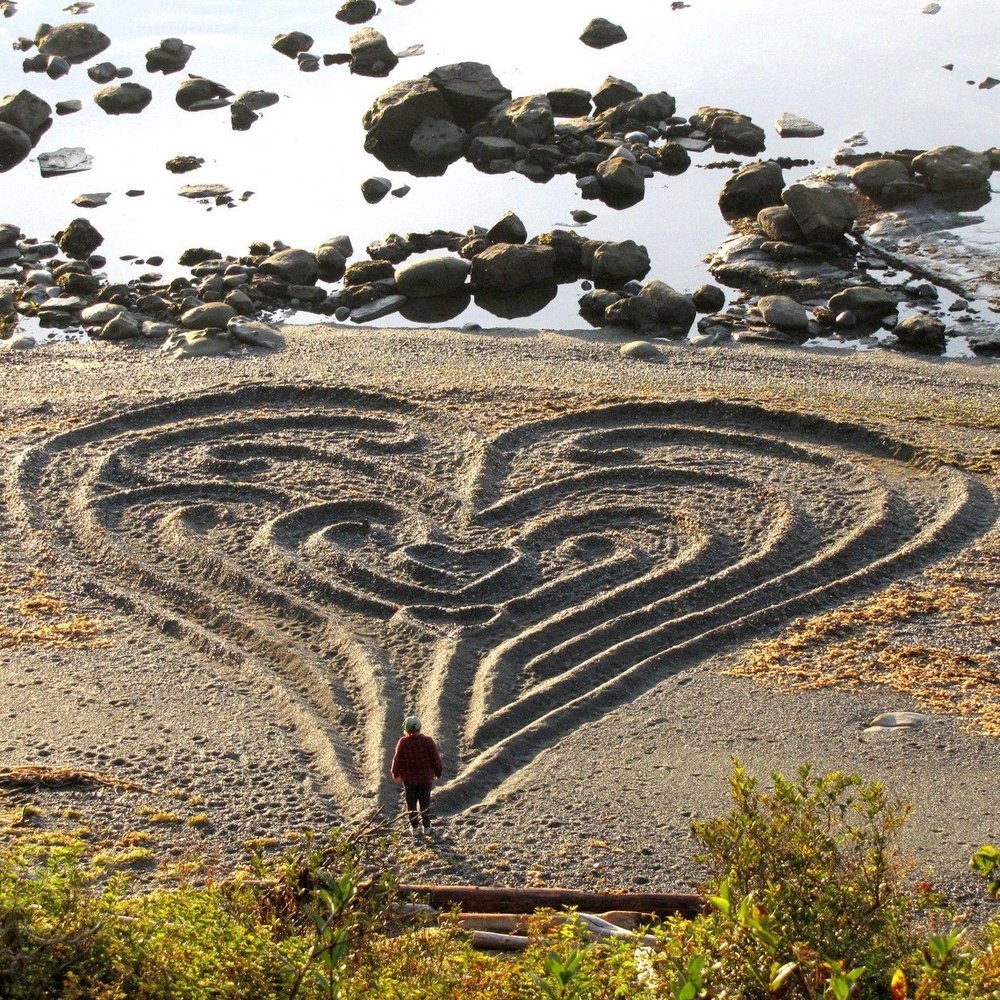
(849, 66)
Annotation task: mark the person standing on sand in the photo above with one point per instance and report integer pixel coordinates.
(416, 763)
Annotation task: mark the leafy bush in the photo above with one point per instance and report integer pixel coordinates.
(810, 900)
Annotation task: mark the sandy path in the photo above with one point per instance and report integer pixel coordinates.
(542, 548)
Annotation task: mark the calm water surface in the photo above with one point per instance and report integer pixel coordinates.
(847, 64)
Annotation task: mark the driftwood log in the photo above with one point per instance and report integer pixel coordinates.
(493, 899)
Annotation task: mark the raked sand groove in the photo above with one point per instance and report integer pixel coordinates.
(364, 558)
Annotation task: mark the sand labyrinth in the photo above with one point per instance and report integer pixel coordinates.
(365, 556)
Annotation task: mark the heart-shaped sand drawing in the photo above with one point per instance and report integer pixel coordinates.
(377, 556)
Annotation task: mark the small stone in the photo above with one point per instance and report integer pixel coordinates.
(375, 189)
(791, 126)
(601, 33)
(642, 350)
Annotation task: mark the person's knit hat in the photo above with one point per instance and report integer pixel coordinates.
(412, 725)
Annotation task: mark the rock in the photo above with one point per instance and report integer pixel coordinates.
(296, 267)
(26, 112)
(397, 114)
(257, 100)
(778, 223)
(170, 56)
(357, 11)
(487, 149)
(953, 168)
(505, 267)
(921, 331)
(581, 216)
(61, 304)
(783, 312)
(291, 43)
(674, 158)
(211, 315)
(824, 213)
(196, 191)
(241, 117)
(57, 68)
(256, 334)
(76, 41)
(183, 164)
(617, 262)
(986, 345)
(393, 248)
(79, 239)
(752, 188)
(199, 94)
(613, 92)
(365, 272)
(19, 342)
(374, 189)
(370, 53)
(526, 121)
(68, 107)
(377, 308)
(196, 344)
(568, 247)
(432, 276)
(123, 98)
(15, 145)
(708, 298)
(601, 33)
(886, 181)
(103, 72)
(438, 140)
(867, 304)
(470, 89)
(791, 126)
(622, 185)
(659, 305)
(729, 130)
(100, 314)
(641, 350)
(894, 723)
(120, 327)
(596, 302)
(331, 262)
(9, 235)
(509, 229)
(95, 200)
(570, 102)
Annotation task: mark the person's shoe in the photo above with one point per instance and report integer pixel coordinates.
(428, 834)
(415, 832)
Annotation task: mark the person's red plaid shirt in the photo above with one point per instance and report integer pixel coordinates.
(417, 760)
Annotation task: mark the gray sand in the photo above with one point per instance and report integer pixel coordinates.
(548, 551)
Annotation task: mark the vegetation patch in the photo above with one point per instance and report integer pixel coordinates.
(865, 642)
(809, 901)
(31, 616)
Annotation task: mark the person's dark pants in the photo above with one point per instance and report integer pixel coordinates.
(418, 795)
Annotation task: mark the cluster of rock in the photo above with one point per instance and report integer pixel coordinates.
(792, 245)
(613, 140)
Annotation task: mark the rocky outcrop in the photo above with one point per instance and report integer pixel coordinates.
(507, 267)
(470, 89)
(76, 41)
(752, 188)
(432, 276)
(824, 213)
(79, 239)
(886, 181)
(730, 131)
(123, 98)
(27, 112)
(601, 33)
(953, 168)
(370, 53)
(394, 118)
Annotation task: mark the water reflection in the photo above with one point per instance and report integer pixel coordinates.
(305, 159)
